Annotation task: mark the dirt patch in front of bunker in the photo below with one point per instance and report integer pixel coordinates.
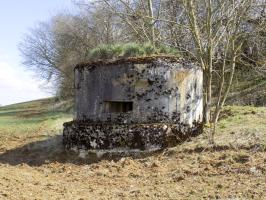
(36, 168)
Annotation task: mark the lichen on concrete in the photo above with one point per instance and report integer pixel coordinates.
(84, 135)
(128, 103)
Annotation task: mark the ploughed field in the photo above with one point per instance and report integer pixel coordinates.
(34, 165)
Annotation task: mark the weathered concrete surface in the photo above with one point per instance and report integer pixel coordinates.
(133, 92)
(159, 90)
(84, 135)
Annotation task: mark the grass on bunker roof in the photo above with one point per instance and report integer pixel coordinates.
(129, 53)
(113, 51)
(30, 169)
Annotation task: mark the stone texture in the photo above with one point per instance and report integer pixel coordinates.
(84, 135)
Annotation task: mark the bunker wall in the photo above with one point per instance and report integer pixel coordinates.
(157, 91)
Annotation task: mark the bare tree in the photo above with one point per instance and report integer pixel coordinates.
(38, 49)
(212, 31)
(53, 48)
(217, 34)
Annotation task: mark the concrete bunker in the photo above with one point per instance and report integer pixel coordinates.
(135, 103)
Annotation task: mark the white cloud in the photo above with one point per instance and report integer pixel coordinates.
(17, 85)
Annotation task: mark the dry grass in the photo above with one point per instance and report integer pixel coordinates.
(36, 167)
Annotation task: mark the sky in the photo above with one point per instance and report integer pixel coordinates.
(17, 84)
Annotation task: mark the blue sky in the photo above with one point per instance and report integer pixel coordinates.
(16, 17)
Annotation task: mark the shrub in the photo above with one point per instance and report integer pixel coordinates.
(133, 49)
(101, 52)
(149, 49)
(163, 49)
(128, 50)
(117, 50)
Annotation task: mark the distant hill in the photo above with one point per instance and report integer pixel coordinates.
(42, 105)
(34, 117)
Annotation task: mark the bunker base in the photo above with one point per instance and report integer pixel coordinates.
(82, 135)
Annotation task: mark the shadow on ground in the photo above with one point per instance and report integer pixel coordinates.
(52, 150)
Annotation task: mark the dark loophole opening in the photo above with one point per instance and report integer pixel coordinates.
(118, 106)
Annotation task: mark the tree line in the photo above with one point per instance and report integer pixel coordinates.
(219, 35)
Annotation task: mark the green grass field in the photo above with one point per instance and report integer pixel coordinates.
(242, 125)
(43, 116)
(46, 117)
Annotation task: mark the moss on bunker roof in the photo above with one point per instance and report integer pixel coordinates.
(130, 60)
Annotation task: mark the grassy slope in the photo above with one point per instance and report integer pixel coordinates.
(234, 170)
(45, 116)
(249, 88)
(32, 118)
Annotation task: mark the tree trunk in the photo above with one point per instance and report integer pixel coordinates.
(207, 96)
(222, 98)
(209, 61)
(151, 22)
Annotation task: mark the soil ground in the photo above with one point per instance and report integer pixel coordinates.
(34, 165)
